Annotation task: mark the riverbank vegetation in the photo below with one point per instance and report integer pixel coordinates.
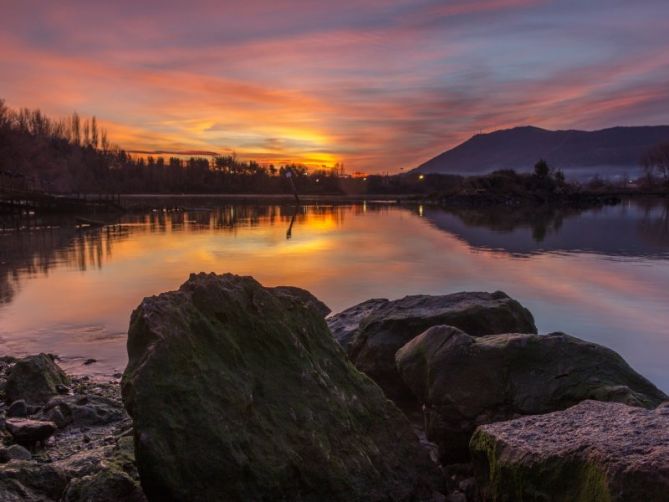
(75, 155)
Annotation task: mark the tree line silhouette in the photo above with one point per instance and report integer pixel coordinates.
(75, 155)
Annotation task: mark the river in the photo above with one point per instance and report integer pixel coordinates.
(601, 274)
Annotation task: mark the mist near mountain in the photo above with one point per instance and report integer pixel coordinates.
(580, 154)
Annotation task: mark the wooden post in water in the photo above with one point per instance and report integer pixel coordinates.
(289, 175)
(289, 232)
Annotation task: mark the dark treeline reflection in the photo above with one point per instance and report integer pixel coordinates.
(539, 220)
(639, 228)
(654, 226)
(35, 246)
(31, 245)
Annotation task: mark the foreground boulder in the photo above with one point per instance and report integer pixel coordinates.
(238, 392)
(592, 451)
(29, 432)
(466, 381)
(34, 379)
(390, 324)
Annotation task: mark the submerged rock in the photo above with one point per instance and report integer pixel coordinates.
(239, 392)
(466, 381)
(592, 451)
(34, 379)
(390, 325)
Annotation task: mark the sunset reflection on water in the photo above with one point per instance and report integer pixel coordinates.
(71, 291)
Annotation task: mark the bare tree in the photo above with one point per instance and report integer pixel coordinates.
(94, 132)
(23, 120)
(104, 142)
(656, 160)
(59, 129)
(75, 129)
(5, 115)
(87, 132)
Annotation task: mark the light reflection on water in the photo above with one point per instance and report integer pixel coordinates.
(600, 275)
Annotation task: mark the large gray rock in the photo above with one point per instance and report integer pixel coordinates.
(390, 325)
(34, 379)
(238, 392)
(466, 381)
(593, 451)
(344, 325)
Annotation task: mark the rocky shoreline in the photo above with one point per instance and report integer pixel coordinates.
(234, 391)
(65, 438)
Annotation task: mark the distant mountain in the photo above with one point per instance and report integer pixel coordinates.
(603, 152)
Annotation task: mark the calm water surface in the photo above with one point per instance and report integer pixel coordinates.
(601, 275)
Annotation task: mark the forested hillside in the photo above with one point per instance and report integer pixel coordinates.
(594, 152)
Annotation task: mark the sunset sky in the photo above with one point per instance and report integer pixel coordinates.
(379, 85)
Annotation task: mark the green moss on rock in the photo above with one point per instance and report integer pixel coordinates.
(240, 393)
(34, 379)
(466, 381)
(592, 452)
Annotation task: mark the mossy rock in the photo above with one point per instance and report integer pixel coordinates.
(465, 381)
(108, 485)
(31, 481)
(34, 379)
(591, 452)
(239, 392)
(104, 474)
